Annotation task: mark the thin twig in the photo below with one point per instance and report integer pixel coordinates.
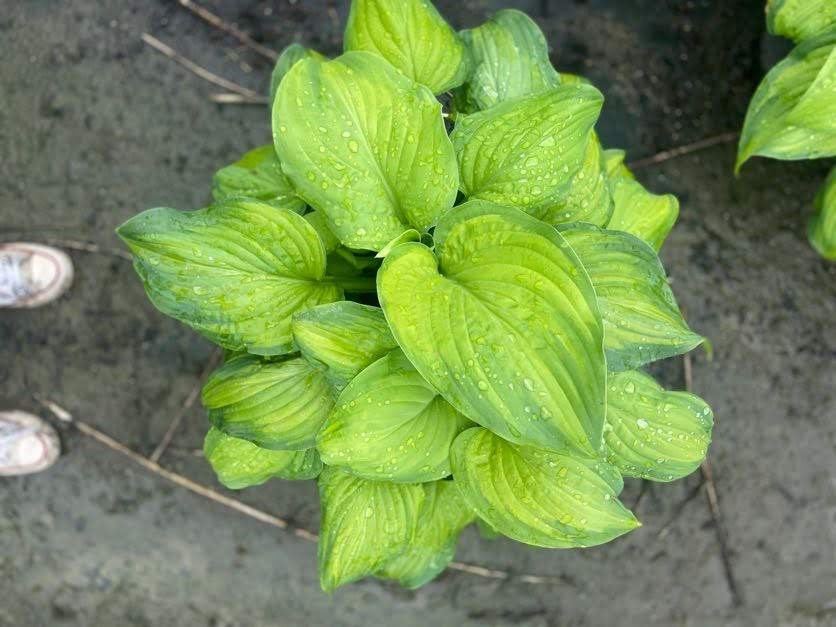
(239, 99)
(680, 509)
(214, 359)
(194, 68)
(218, 22)
(280, 523)
(714, 502)
(672, 153)
(88, 247)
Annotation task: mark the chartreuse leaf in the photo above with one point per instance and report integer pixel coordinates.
(276, 405)
(545, 498)
(771, 128)
(258, 174)
(241, 464)
(525, 152)
(504, 324)
(642, 322)
(365, 524)
(817, 107)
(366, 145)
(235, 272)
(319, 222)
(510, 58)
(412, 36)
(573, 79)
(614, 164)
(588, 197)
(800, 19)
(344, 337)
(390, 424)
(651, 433)
(650, 217)
(442, 519)
(287, 59)
(823, 225)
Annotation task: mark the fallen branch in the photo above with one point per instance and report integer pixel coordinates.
(672, 153)
(218, 22)
(88, 247)
(194, 68)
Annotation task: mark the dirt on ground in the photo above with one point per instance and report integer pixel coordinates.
(96, 126)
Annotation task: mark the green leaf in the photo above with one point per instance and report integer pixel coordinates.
(365, 524)
(772, 128)
(642, 322)
(287, 59)
(650, 217)
(241, 464)
(817, 107)
(390, 424)
(544, 498)
(504, 324)
(510, 58)
(651, 433)
(486, 531)
(822, 230)
(588, 197)
(407, 236)
(258, 174)
(276, 405)
(412, 36)
(800, 20)
(525, 152)
(614, 164)
(366, 145)
(442, 519)
(573, 79)
(234, 272)
(344, 337)
(319, 222)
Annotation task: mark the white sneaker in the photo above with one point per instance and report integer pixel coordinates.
(27, 444)
(32, 275)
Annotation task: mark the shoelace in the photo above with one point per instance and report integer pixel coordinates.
(12, 282)
(7, 436)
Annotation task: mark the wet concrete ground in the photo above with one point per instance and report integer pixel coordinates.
(95, 126)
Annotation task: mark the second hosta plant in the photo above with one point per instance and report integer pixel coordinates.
(437, 292)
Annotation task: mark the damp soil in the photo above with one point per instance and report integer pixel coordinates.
(95, 126)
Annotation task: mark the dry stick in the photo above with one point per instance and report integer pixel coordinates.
(672, 153)
(187, 404)
(218, 22)
(194, 68)
(714, 503)
(201, 490)
(88, 247)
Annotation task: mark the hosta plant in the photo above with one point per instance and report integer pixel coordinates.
(793, 112)
(436, 291)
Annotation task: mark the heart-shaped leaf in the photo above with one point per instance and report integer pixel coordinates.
(258, 175)
(650, 217)
(319, 222)
(823, 225)
(235, 272)
(510, 58)
(544, 498)
(442, 519)
(241, 464)
(276, 405)
(366, 145)
(365, 524)
(504, 324)
(344, 337)
(771, 128)
(525, 152)
(287, 59)
(652, 433)
(800, 20)
(642, 322)
(390, 424)
(588, 197)
(412, 36)
(614, 164)
(817, 107)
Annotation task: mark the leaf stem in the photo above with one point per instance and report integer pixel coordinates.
(355, 284)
